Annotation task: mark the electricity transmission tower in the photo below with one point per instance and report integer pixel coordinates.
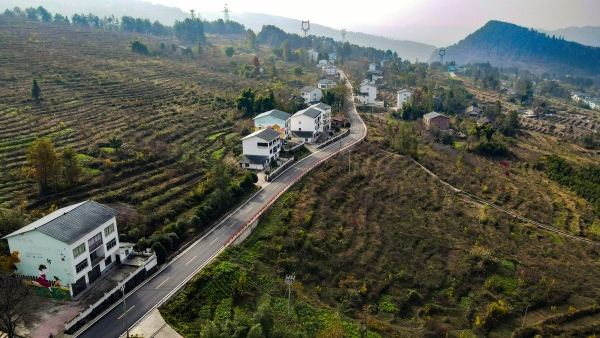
(192, 13)
(442, 53)
(306, 27)
(343, 35)
(226, 14)
(289, 280)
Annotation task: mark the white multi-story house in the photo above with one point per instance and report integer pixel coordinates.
(326, 84)
(311, 94)
(404, 95)
(367, 93)
(67, 250)
(260, 148)
(306, 124)
(313, 55)
(325, 116)
(322, 63)
(372, 67)
(576, 96)
(274, 119)
(329, 70)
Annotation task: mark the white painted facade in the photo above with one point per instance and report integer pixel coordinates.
(329, 70)
(372, 67)
(367, 93)
(404, 95)
(311, 95)
(307, 124)
(70, 267)
(325, 116)
(260, 148)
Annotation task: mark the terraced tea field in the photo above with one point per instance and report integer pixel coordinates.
(94, 89)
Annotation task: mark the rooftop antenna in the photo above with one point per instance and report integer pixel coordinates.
(226, 16)
(343, 35)
(442, 53)
(306, 27)
(192, 13)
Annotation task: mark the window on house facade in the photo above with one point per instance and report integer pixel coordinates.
(79, 250)
(111, 244)
(109, 229)
(262, 144)
(95, 242)
(108, 260)
(79, 267)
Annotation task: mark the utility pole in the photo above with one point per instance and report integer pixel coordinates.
(125, 309)
(289, 280)
(349, 160)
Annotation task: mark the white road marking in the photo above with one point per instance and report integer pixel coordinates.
(213, 241)
(191, 260)
(232, 224)
(163, 282)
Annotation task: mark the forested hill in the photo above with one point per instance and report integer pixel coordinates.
(508, 45)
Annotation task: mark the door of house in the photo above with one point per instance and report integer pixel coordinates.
(94, 274)
(118, 258)
(78, 286)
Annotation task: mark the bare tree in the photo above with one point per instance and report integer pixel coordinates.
(17, 302)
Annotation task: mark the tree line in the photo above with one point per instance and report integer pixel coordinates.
(188, 30)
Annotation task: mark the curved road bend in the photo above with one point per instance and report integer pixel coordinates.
(141, 301)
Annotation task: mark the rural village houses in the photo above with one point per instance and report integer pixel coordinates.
(260, 148)
(311, 94)
(404, 95)
(67, 250)
(276, 120)
(326, 84)
(436, 120)
(308, 123)
(367, 93)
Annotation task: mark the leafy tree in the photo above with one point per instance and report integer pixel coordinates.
(59, 18)
(35, 90)
(190, 30)
(252, 40)
(44, 14)
(245, 102)
(139, 47)
(44, 163)
(31, 13)
(264, 316)
(256, 64)
(209, 330)
(263, 103)
(256, 332)
(229, 51)
(161, 252)
(71, 169)
(406, 139)
(17, 303)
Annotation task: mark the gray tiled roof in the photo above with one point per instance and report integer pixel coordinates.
(322, 106)
(309, 89)
(433, 115)
(71, 223)
(254, 159)
(303, 134)
(266, 134)
(275, 113)
(311, 112)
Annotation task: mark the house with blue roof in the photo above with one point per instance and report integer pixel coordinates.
(274, 119)
(62, 253)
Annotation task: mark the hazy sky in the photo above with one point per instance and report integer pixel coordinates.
(544, 14)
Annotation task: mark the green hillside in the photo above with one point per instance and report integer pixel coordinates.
(507, 45)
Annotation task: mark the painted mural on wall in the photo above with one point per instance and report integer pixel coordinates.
(276, 127)
(46, 282)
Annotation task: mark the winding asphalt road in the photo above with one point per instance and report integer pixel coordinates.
(167, 281)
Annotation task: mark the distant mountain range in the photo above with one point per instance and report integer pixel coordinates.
(507, 45)
(588, 35)
(168, 15)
